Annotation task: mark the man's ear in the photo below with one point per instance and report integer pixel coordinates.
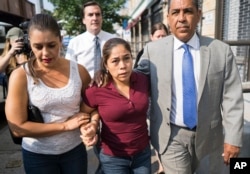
(83, 21)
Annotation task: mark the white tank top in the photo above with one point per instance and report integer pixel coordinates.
(56, 105)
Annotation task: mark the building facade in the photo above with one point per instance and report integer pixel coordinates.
(227, 20)
(12, 13)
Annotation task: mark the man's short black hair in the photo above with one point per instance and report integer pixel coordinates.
(195, 2)
(90, 3)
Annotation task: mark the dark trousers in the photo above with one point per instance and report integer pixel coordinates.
(74, 161)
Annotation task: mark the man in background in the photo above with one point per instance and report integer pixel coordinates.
(82, 47)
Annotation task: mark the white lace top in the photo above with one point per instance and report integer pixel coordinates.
(56, 105)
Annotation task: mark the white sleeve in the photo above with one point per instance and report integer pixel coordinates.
(70, 53)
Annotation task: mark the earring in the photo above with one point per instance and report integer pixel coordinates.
(107, 71)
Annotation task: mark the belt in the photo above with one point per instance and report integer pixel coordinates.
(182, 127)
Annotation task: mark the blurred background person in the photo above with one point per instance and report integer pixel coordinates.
(158, 31)
(12, 55)
(81, 48)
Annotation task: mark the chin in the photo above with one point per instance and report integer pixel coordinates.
(96, 28)
(183, 37)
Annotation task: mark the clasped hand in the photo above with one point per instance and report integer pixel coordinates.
(88, 134)
(77, 120)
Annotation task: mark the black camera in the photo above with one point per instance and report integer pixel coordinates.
(26, 47)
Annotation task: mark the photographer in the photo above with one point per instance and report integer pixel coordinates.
(13, 54)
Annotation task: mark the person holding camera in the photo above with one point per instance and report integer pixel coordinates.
(12, 55)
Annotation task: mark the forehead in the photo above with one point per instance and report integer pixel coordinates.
(181, 4)
(92, 9)
(45, 35)
(119, 49)
(160, 31)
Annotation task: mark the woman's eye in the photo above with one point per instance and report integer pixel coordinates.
(114, 61)
(38, 47)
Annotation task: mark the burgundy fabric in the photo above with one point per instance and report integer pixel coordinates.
(124, 129)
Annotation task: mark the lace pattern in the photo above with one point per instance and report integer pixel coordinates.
(56, 105)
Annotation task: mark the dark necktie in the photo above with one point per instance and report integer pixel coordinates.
(97, 54)
(189, 89)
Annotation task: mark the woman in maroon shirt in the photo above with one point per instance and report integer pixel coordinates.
(122, 103)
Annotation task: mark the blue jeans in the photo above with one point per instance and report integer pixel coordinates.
(137, 164)
(72, 162)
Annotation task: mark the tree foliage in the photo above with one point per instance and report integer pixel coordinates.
(70, 14)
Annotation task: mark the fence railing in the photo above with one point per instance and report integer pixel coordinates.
(136, 47)
(241, 51)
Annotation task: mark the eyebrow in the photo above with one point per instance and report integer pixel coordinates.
(94, 13)
(91, 14)
(47, 43)
(185, 9)
(121, 55)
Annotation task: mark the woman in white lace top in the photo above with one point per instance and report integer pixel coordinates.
(54, 85)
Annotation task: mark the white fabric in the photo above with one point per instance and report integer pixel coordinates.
(81, 49)
(56, 105)
(176, 116)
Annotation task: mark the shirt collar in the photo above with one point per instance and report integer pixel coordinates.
(92, 37)
(193, 42)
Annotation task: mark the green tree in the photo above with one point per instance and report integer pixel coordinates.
(69, 13)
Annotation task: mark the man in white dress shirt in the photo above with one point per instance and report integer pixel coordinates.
(81, 48)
